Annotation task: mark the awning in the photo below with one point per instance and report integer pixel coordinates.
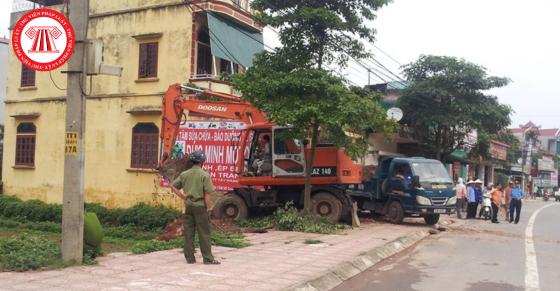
(508, 172)
(233, 42)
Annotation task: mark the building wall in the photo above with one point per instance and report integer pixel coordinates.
(109, 178)
(4, 44)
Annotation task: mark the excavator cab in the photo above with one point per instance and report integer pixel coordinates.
(288, 156)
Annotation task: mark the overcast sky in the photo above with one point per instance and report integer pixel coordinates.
(511, 38)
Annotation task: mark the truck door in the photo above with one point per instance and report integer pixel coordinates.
(288, 157)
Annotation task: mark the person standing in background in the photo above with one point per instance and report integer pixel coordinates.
(507, 199)
(471, 200)
(461, 195)
(496, 197)
(515, 204)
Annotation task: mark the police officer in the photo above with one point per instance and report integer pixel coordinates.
(197, 186)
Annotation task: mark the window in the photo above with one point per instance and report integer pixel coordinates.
(27, 76)
(226, 66)
(25, 144)
(144, 146)
(204, 56)
(148, 60)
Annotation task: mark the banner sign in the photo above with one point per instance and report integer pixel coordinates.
(498, 150)
(219, 140)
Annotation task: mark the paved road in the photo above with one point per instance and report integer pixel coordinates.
(477, 255)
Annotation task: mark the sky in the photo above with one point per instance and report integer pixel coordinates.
(511, 38)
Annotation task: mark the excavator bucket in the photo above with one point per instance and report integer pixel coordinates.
(171, 169)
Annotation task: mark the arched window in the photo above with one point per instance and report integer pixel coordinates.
(144, 146)
(25, 144)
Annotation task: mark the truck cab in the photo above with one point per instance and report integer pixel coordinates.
(408, 187)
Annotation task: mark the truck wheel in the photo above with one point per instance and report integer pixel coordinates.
(230, 207)
(431, 219)
(328, 205)
(396, 212)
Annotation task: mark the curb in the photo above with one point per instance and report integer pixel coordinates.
(344, 271)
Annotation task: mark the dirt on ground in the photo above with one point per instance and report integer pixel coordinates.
(175, 229)
(368, 172)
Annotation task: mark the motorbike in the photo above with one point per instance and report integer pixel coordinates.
(486, 207)
(545, 196)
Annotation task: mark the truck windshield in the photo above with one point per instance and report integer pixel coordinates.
(431, 172)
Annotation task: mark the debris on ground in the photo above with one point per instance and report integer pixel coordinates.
(172, 168)
(368, 172)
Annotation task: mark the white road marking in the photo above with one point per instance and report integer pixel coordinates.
(531, 267)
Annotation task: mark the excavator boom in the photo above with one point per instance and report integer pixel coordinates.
(174, 105)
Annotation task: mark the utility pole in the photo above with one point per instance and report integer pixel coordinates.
(73, 188)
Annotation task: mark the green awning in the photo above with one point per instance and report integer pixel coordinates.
(233, 42)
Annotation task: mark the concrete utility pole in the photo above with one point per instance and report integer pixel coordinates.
(73, 192)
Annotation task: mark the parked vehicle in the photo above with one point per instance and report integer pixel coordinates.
(430, 194)
(557, 195)
(335, 178)
(486, 206)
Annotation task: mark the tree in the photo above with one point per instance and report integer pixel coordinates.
(292, 85)
(445, 102)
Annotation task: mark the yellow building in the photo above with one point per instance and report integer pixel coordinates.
(158, 43)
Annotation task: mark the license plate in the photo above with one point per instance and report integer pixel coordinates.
(440, 210)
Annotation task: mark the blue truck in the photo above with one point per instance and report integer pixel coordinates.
(427, 190)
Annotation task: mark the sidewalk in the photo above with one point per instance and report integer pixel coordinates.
(275, 260)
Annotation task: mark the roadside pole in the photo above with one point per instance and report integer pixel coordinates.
(73, 188)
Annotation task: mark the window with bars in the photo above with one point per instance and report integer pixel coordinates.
(229, 67)
(27, 76)
(144, 146)
(148, 60)
(25, 144)
(204, 54)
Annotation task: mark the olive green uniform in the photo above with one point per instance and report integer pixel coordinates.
(195, 182)
(93, 234)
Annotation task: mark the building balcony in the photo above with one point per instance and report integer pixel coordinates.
(214, 83)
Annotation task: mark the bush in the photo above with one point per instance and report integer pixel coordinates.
(27, 252)
(46, 226)
(147, 217)
(107, 217)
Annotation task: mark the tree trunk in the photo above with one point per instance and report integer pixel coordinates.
(309, 168)
(438, 143)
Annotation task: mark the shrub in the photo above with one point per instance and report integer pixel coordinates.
(148, 217)
(107, 217)
(25, 252)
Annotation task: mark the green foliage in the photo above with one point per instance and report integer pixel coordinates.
(107, 217)
(142, 216)
(8, 223)
(445, 102)
(130, 232)
(25, 252)
(292, 84)
(146, 217)
(290, 218)
(229, 239)
(313, 241)
(44, 226)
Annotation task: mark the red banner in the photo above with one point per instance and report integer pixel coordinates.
(219, 140)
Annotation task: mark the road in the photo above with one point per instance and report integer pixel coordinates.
(476, 255)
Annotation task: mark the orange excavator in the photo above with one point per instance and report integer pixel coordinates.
(281, 178)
